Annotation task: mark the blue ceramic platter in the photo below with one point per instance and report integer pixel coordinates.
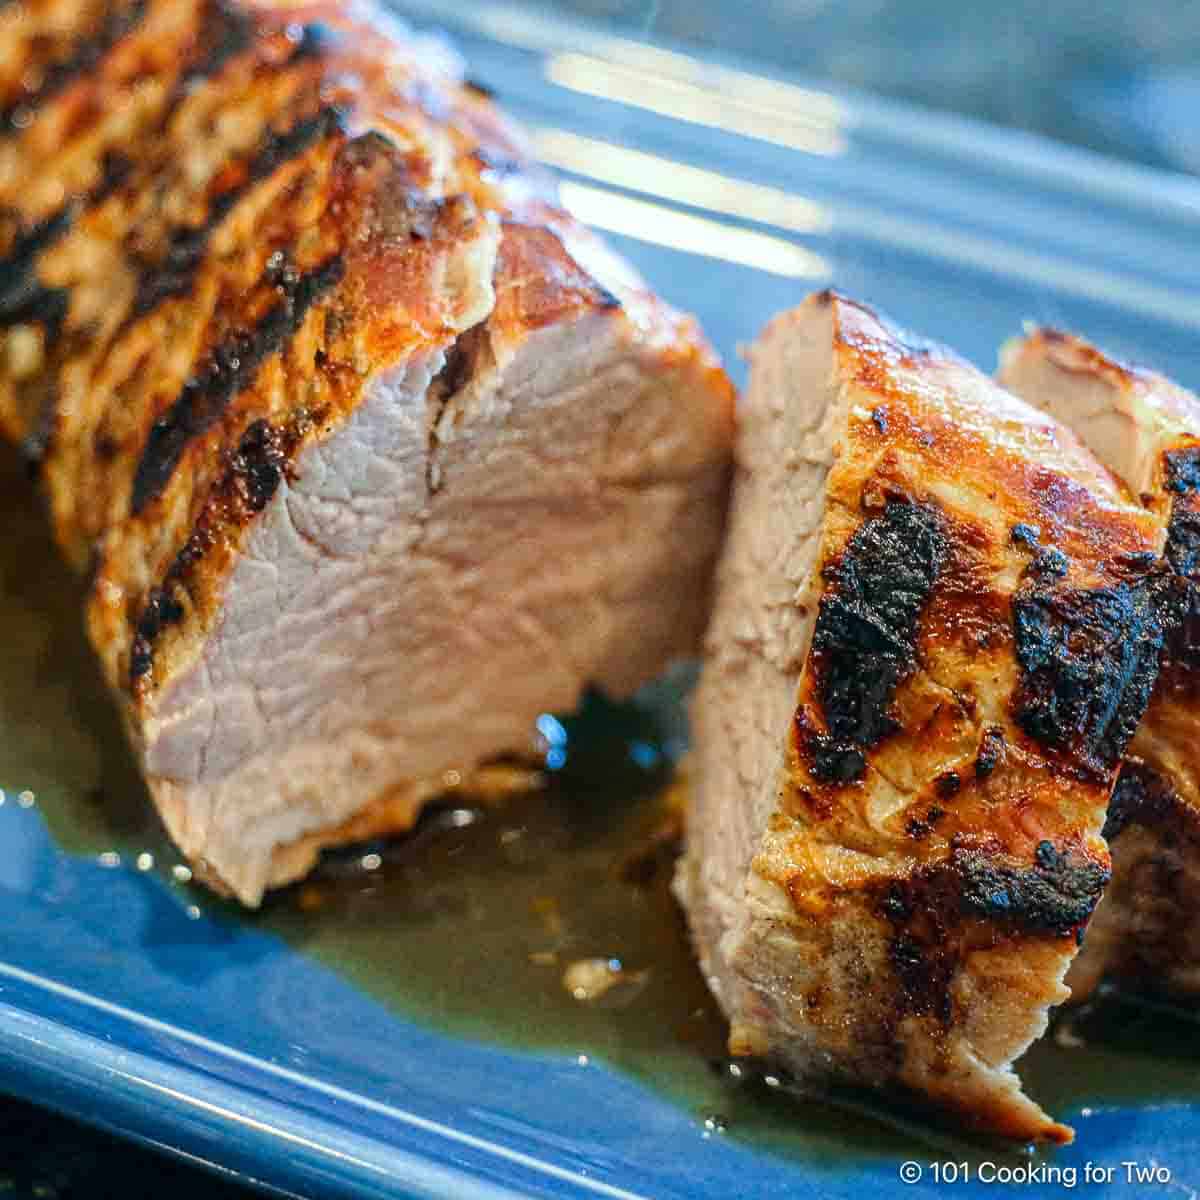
(734, 194)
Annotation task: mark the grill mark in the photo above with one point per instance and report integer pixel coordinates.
(224, 33)
(86, 54)
(173, 275)
(230, 369)
(22, 297)
(255, 471)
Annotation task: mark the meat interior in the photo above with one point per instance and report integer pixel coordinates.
(414, 596)
(790, 422)
(1147, 431)
(919, 678)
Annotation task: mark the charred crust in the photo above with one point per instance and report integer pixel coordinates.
(1050, 562)
(865, 640)
(1142, 797)
(252, 475)
(974, 898)
(925, 973)
(992, 748)
(1183, 541)
(172, 275)
(231, 367)
(161, 610)
(19, 288)
(879, 418)
(919, 828)
(1089, 659)
(37, 305)
(1183, 470)
(85, 54)
(835, 762)
(1047, 561)
(926, 943)
(258, 464)
(1024, 534)
(1056, 895)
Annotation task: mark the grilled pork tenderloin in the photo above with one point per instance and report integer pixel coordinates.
(935, 630)
(365, 451)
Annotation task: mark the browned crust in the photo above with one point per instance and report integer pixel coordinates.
(151, 273)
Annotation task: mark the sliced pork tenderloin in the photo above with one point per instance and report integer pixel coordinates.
(1147, 431)
(934, 632)
(368, 454)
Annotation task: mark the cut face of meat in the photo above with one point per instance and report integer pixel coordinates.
(1147, 430)
(408, 605)
(367, 452)
(935, 629)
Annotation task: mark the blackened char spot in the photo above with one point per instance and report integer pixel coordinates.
(22, 297)
(1050, 561)
(1142, 797)
(1047, 560)
(258, 464)
(1024, 534)
(836, 762)
(1089, 659)
(1183, 470)
(991, 751)
(1056, 895)
(231, 367)
(161, 610)
(942, 911)
(24, 301)
(865, 640)
(1183, 542)
(171, 275)
(85, 54)
(254, 473)
(1183, 555)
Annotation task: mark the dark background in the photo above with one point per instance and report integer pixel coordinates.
(1123, 79)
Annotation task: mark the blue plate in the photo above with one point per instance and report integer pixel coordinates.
(735, 194)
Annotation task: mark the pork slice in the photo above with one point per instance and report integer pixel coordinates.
(368, 453)
(933, 635)
(1147, 430)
